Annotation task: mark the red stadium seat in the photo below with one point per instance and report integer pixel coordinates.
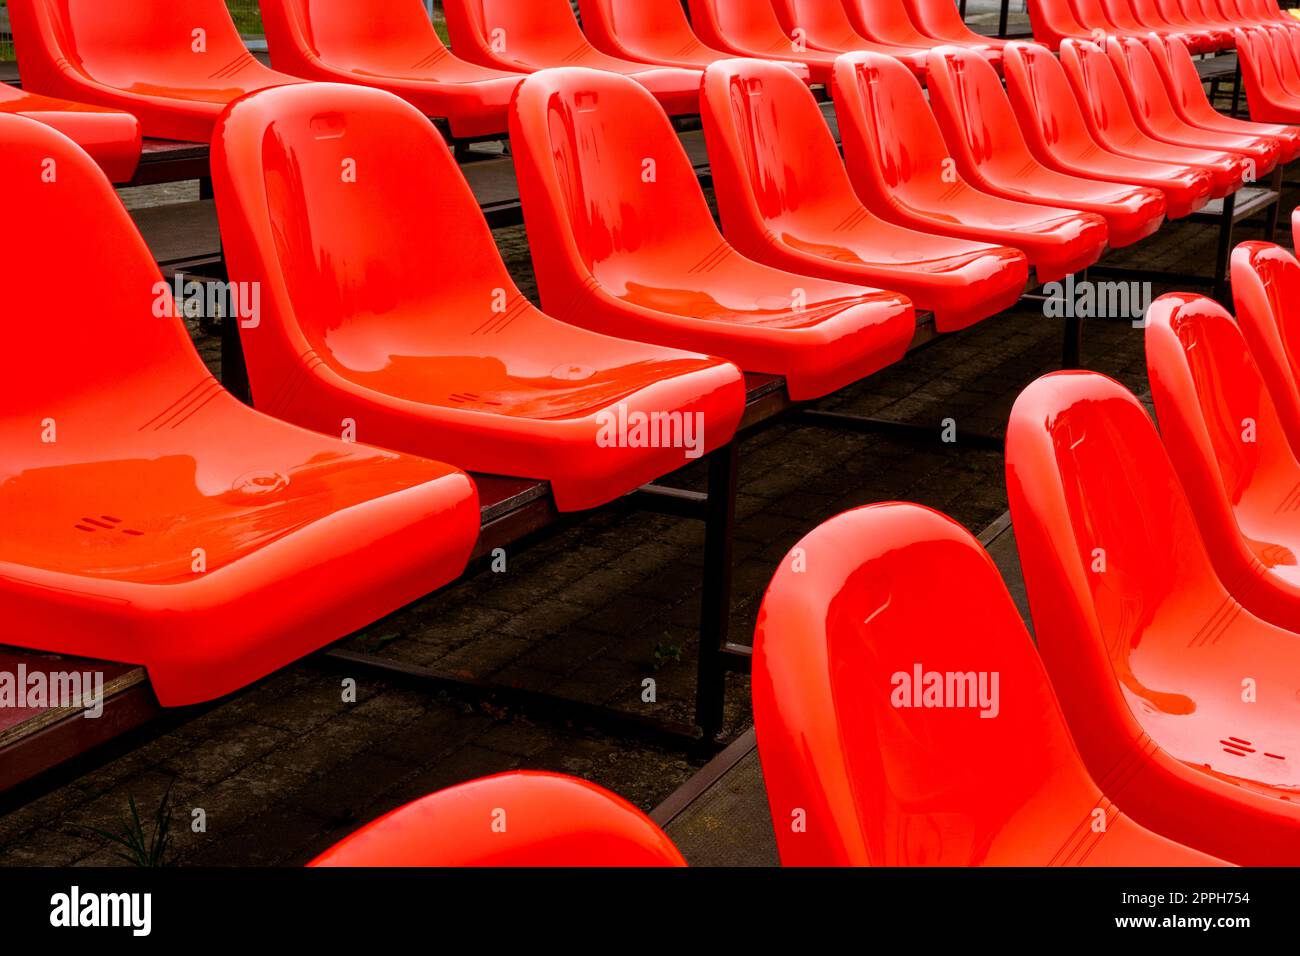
(1190, 101)
(941, 20)
(1153, 109)
(1054, 20)
(150, 517)
(1266, 294)
(786, 200)
(1123, 15)
(174, 64)
(984, 137)
(430, 346)
(884, 641)
(1284, 45)
(624, 243)
(825, 25)
(1172, 22)
(530, 35)
(1230, 450)
(1267, 96)
(751, 28)
(1110, 119)
(1059, 138)
(902, 172)
(518, 819)
(1182, 702)
(111, 137)
(890, 23)
(389, 44)
(653, 31)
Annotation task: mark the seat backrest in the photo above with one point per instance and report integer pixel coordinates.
(1139, 77)
(517, 819)
(744, 24)
(822, 22)
(1266, 293)
(1042, 98)
(893, 147)
(1053, 20)
(774, 158)
(1178, 71)
(1120, 13)
(320, 189)
(1098, 89)
(1259, 71)
(867, 611)
(131, 43)
(129, 355)
(939, 18)
(1092, 14)
(351, 34)
(885, 22)
(974, 113)
(1111, 552)
(512, 26)
(602, 175)
(650, 26)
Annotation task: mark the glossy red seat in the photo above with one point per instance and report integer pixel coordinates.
(985, 141)
(1284, 45)
(751, 28)
(883, 643)
(518, 819)
(1154, 111)
(890, 23)
(942, 20)
(1100, 95)
(530, 35)
(825, 25)
(624, 243)
(174, 64)
(653, 31)
(150, 517)
(1176, 24)
(901, 171)
(1268, 99)
(1190, 101)
(391, 45)
(1059, 138)
(1266, 294)
(111, 137)
(1123, 15)
(786, 200)
(1182, 702)
(1227, 443)
(1054, 20)
(430, 346)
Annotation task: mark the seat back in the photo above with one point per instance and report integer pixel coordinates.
(773, 157)
(131, 43)
(1120, 13)
(1099, 91)
(939, 18)
(742, 25)
(1219, 425)
(883, 22)
(1177, 69)
(863, 763)
(603, 177)
(1042, 98)
(1266, 293)
(974, 113)
(486, 30)
(649, 27)
(320, 189)
(351, 34)
(823, 23)
(893, 148)
(1140, 79)
(1052, 21)
(517, 819)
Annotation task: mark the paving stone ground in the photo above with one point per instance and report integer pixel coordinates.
(286, 768)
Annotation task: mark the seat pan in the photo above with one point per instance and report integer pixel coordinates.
(1186, 189)
(111, 137)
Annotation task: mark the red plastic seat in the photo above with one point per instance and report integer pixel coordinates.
(1266, 294)
(1059, 138)
(1182, 702)
(1284, 45)
(624, 243)
(530, 35)
(391, 45)
(883, 642)
(1227, 443)
(890, 23)
(751, 28)
(901, 171)
(1122, 14)
(825, 25)
(1190, 101)
(150, 517)
(1054, 20)
(786, 200)
(1175, 23)
(984, 138)
(519, 819)
(174, 64)
(1268, 99)
(1154, 111)
(653, 31)
(430, 347)
(942, 20)
(1106, 110)
(111, 137)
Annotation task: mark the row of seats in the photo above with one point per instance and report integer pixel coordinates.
(903, 715)
(1204, 25)
(1270, 73)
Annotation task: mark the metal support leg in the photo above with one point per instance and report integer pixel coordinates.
(1270, 224)
(1236, 86)
(1072, 344)
(205, 188)
(715, 606)
(1225, 249)
(234, 371)
(1002, 18)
